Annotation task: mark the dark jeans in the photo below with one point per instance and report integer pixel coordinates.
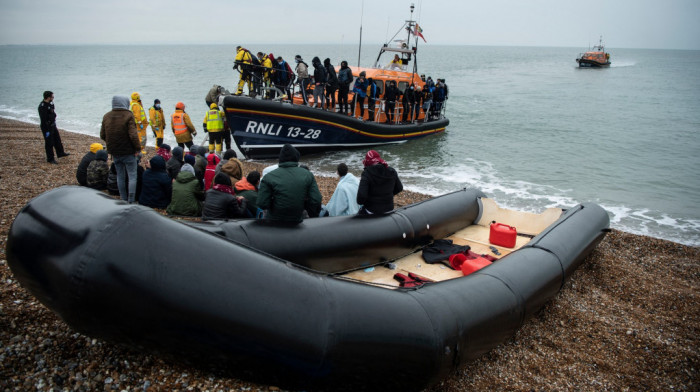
(361, 102)
(390, 107)
(330, 96)
(370, 108)
(343, 98)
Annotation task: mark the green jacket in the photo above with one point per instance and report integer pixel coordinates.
(286, 191)
(187, 196)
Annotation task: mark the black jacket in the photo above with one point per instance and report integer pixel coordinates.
(319, 73)
(222, 205)
(81, 173)
(378, 185)
(157, 187)
(332, 77)
(392, 93)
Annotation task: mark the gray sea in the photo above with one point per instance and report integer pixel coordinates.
(526, 125)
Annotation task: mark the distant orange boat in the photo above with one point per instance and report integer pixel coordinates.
(594, 58)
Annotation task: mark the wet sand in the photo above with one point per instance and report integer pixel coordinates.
(628, 319)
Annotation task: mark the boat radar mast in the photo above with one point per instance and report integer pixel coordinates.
(402, 47)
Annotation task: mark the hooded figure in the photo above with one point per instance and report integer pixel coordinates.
(157, 188)
(210, 172)
(221, 202)
(378, 185)
(319, 83)
(175, 162)
(98, 171)
(289, 190)
(81, 173)
(164, 151)
(187, 194)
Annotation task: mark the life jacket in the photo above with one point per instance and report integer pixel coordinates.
(215, 122)
(178, 122)
(139, 113)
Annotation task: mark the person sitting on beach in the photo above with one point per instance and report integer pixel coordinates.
(228, 154)
(344, 199)
(248, 188)
(200, 161)
(174, 164)
(234, 169)
(378, 185)
(81, 173)
(164, 151)
(112, 183)
(221, 201)
(288, 190)
(157, 187)
(187, 194)
(98, 171)
(210, 172)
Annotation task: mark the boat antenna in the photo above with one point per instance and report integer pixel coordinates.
(359, 52)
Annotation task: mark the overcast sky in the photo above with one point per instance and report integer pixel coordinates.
(664, 24)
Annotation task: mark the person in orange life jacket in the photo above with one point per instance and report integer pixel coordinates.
(214, 124)
(157, 121)
(378, 185)
(221, 202)
(320, 79)
(212, 161)
(248, 188)
(140, 119)
(391, 95)
(360, 90)
(371, 98)
(49, 131)
(81, 173)
(332, 83)
(182, 126)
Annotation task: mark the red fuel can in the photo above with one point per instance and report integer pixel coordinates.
(502, 235)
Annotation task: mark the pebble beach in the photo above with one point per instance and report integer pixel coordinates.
(627, 320)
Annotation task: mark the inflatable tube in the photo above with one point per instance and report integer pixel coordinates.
(127, 274)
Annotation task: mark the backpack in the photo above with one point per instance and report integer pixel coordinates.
(254, 59)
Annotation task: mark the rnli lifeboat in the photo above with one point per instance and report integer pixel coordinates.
(260, 127)
(594, 58)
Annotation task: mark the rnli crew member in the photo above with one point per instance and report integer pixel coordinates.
(157, 121)
(244, 59)
(395, 63)
(140, 119)
(267, 71)
(182, 126)
(360, 90)
(214, 124)
(303, 79)
(52, 140)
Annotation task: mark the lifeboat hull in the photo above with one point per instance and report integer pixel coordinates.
(260, 128)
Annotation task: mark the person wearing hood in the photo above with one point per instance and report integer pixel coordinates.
(360, 91)
(234, 169)
(157, 121)
(174, 164)
(302, 70)
(228, 154)
(378, 185)
(118, 130)
(320, 79)
(140, 119)
(81, 173)
(221, 201)
(332, 83)
(200, 162)
(156, 187)
(182, 126)
(344, 80)
(210, 171)
(248, 188)
(344, 199)
(187, 194)
(98, 171)
(289, 190)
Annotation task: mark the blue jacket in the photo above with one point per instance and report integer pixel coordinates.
(157, 188)
(344, 199)
(360, 87)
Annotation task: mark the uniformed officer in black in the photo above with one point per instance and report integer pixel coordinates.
(52, 140)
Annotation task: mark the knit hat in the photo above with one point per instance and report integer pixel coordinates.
(95, 147)
(289, 154)
(222, 179)
(190, 159)
(177, 153)
(230, 153)
(101, 155)
(187, 168)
